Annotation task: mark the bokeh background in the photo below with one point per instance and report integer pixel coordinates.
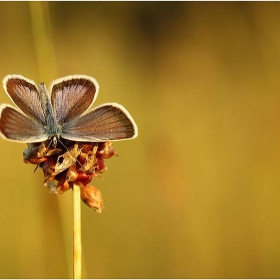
(197, 194)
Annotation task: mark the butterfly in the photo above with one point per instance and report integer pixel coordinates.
(60, 112)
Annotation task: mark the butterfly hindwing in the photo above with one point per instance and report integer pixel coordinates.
(107, 122)
(17, 127)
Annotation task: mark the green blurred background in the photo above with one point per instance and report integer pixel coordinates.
(197, 194)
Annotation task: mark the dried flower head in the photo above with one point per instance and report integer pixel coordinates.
(71, 163)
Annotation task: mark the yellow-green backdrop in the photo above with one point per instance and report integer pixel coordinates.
(197, 194)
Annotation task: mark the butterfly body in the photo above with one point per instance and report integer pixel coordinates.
(60, 112)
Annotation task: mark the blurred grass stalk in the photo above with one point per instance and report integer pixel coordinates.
(45, 56)
(44, 47)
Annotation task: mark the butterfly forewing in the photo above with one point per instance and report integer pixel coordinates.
(17, 127)
(107, 122)
(71, 96)
(25, 95)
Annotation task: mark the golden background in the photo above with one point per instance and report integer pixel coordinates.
(197, 194)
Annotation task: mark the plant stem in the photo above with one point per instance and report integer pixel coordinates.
(77, 244)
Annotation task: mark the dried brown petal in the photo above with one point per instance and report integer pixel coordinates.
(49, 168)
(100, 164)
(88, 158)
(92, 197)
(84, 179)
(63, 185)
(52, 185)
(67, 159)
(72, 174)
(38, 153)
(106, 150)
